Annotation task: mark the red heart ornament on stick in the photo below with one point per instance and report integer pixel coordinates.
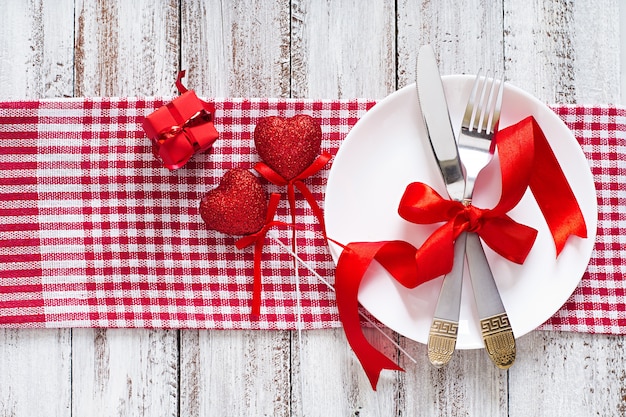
(238, 206)
(288, 145)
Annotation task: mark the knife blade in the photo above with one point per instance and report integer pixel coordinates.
(434, 108)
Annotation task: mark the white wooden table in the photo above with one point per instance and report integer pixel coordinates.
(560, 51)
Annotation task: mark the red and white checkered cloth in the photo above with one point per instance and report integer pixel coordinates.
(94, 232)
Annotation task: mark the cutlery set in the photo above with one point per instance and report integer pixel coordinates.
(460, 160)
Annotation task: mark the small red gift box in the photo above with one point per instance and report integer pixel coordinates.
(180, 129)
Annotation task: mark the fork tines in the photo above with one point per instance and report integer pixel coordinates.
(487, 107)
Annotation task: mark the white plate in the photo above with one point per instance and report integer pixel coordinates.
(388, 149)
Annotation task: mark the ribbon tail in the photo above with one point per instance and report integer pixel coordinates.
(317, 211)
(315, 166)
(353, 262)
(258, 239)
(257, 283)
(398, 258)
(527, 158)
(179, 82)
(555, 197)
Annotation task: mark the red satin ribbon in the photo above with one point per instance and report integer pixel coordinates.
(179, 82)
(526, 161)
(275, 178)
(396, 256)
(422, 205)
(258, 239)
(181, 128)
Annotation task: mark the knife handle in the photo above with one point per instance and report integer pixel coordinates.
(444, 328)
(494, 322)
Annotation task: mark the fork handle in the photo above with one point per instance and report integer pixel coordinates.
(494, 322)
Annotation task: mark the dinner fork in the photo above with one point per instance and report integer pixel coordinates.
(482, 115)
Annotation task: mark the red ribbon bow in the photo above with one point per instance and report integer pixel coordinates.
(181, 128)
(258, 240)
(526, 161)
(275, 178)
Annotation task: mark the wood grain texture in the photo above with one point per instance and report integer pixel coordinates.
(329, 380)
(343, 49)
(466, 35)
(36, 55)
(622, 54)
(120, 372)
(35, 372)
(569, 374)
(236, 48)
(469, 386)
(126, 48)
(564, 52)
(235, 373)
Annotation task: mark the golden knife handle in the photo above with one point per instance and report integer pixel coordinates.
(442, 341)
(499, 340)
(445, 324)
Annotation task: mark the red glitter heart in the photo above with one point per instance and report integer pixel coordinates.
(288, 145)
(238, 206)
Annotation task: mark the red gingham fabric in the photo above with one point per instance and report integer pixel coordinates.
(598, 305)
(94, 232)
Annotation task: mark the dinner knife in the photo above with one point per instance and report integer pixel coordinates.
(434, 108)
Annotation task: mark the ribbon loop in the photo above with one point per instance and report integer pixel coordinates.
(297, 182)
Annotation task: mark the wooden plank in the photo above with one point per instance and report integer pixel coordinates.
(343, 49)
(622, 54)
(235, 373)
(566, 52)
(340, 50)
(569, 374)
(465, 38)
(35, 62)
(240, 49)
(470, 385)
(36, 42)
(35, 372)
(327, 368)
(125, 49)
(125, 372)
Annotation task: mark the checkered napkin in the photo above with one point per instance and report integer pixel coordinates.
(94, 232)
